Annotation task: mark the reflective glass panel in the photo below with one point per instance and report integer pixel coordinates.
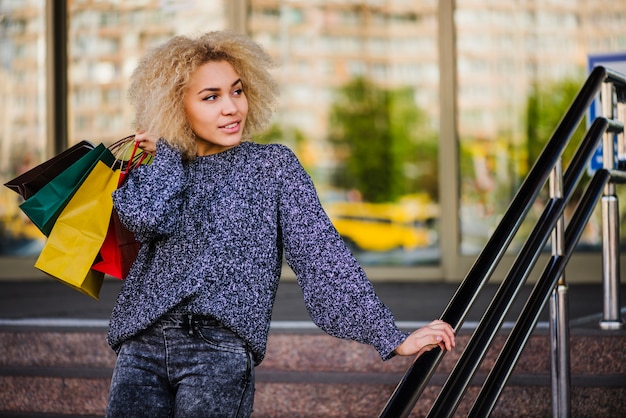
(22, 115)
(359, 105)
(520, 65)
(106, 40)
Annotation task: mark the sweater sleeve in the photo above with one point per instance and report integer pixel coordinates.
(148, 203)
(338, 295)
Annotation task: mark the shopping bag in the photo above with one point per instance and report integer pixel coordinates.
(30, 182)
(79, 231)
(120, 248)
(44, 207)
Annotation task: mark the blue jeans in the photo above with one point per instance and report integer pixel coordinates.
(183, 366)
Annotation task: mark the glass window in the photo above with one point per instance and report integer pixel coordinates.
(514, 62)
(22, 115)
(368, 130)
(359, 100)
(104, 44)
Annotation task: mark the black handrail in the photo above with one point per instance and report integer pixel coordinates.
(419, 373)
(528, 317)
(454, 388)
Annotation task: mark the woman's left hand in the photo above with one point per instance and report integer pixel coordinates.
(437, 333)
(146, 141)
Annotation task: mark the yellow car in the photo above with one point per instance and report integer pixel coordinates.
(385, 226)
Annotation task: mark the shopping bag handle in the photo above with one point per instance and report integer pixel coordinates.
(120, 148)
(140, 158)
(120, 143)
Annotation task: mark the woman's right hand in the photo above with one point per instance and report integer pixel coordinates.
(147, 141)
(436, 333)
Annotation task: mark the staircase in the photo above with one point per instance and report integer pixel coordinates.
(66, 372)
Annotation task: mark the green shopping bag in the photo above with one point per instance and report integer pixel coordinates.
(44, 207)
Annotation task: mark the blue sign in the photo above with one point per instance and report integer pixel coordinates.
(616, 62)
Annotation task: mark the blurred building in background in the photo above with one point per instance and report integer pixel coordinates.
(502, 53)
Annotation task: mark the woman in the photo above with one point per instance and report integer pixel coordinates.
(213, 213)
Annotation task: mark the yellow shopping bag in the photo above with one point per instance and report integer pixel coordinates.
(78, 233)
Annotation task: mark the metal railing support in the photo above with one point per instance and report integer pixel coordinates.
(562, 185)
(528, 317)
(621, 136)
(610, 222)
(552, 282)
(559, 350)
(559, 313)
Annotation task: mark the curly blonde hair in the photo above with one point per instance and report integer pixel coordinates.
(159, 82)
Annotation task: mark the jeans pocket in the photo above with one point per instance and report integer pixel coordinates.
(222, 339)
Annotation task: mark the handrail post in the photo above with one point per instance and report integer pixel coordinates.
(621, 137)
(559, 313)
(610, 222)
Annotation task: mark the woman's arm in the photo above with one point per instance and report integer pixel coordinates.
(338, 295)
(149, 203)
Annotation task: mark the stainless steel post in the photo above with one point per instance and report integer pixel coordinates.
(610, 223)
(559, 314)
(610, 264)
(621, 138)
(559, 344)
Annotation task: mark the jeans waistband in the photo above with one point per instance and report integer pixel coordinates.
(189, 320)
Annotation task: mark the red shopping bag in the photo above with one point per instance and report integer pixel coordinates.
(120, 248)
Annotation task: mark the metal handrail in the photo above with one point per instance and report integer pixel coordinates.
(419, 373)
(528, 317)
(477, 347)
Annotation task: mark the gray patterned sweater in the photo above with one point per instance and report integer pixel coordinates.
(213, 232)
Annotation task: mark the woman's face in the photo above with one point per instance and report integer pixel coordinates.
(216, 107)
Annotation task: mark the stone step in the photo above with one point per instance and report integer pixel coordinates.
(309, 374)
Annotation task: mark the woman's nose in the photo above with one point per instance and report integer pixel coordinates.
(229, 106)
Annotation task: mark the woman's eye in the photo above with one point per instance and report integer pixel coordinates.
(211, 97)
(238, 92)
